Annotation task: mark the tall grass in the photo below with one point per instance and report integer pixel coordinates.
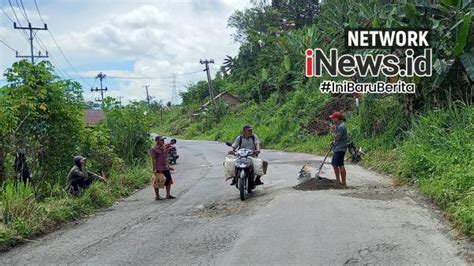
(18, 201)
(439, 157)
(25, 216)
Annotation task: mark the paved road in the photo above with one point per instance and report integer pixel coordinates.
(370, 223)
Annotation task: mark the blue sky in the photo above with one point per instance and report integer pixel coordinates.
(127, 38)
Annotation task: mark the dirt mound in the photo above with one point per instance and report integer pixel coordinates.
(319, 125)
(318, 184)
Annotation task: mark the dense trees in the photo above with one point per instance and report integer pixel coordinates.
(41, 116)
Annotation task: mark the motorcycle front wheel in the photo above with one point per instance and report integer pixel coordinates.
(242, 188)
(241, 183)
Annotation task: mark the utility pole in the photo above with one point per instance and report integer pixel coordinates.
(161, 109)
(209, 84)
(147, 95)
(100, 76)
(173, 92)
(33, 31)
(120, 100)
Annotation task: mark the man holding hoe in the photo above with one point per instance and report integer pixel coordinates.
(339, 146)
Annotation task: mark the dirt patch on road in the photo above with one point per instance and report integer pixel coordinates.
(232, 207)
(318, 184)
(382, 193)
(219, 209)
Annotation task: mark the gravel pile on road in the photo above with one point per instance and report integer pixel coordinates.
(318, 184)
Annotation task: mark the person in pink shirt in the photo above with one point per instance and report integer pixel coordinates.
(159, 157)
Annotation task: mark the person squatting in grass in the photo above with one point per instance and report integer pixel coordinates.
(79, 178)
(159, 157)
(339, 146)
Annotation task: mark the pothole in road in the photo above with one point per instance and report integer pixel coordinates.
(216, 209)
(372, 254)
(318, 184)
(231, 207)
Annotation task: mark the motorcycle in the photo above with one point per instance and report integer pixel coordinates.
(172, 152)
(244, 174)
(356, 154)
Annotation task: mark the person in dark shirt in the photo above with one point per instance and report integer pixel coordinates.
(79, 178)
(159, 156)
(248, 140)
(340, 147)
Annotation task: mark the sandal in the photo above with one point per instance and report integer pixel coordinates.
(159, 198)
(170, 197)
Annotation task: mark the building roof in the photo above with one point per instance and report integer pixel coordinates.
(93, 117)
(221, 95)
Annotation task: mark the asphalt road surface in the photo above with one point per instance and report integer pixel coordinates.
(372, 222)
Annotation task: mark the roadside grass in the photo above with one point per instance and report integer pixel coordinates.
(435, 152)
(24, 216)
(439, 157)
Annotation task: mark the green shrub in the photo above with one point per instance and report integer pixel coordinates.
(97, 147)
(41, 116)
(382, 117)
(129, 132)
(97, 195)
(438, 156)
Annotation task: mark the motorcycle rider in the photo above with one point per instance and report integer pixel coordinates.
(248, 140)
(172, 153)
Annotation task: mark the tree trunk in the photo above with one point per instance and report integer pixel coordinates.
(2, 163)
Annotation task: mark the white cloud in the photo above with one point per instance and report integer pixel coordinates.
(143, 38)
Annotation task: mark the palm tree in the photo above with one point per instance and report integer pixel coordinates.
(229, 64)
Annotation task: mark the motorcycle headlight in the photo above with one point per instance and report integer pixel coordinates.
(243, 162)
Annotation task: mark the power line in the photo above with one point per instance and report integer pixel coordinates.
(22, 8)
(6, 14)
(25, 35)
(162, 77)
(59, 47)
(189, 73)
(2, 40)
(39, 13)
(149, 78)
(14, 13)
(52, 60)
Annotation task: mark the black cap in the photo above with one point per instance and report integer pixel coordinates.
(158, 138)
(246, 127)
(78, 159)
